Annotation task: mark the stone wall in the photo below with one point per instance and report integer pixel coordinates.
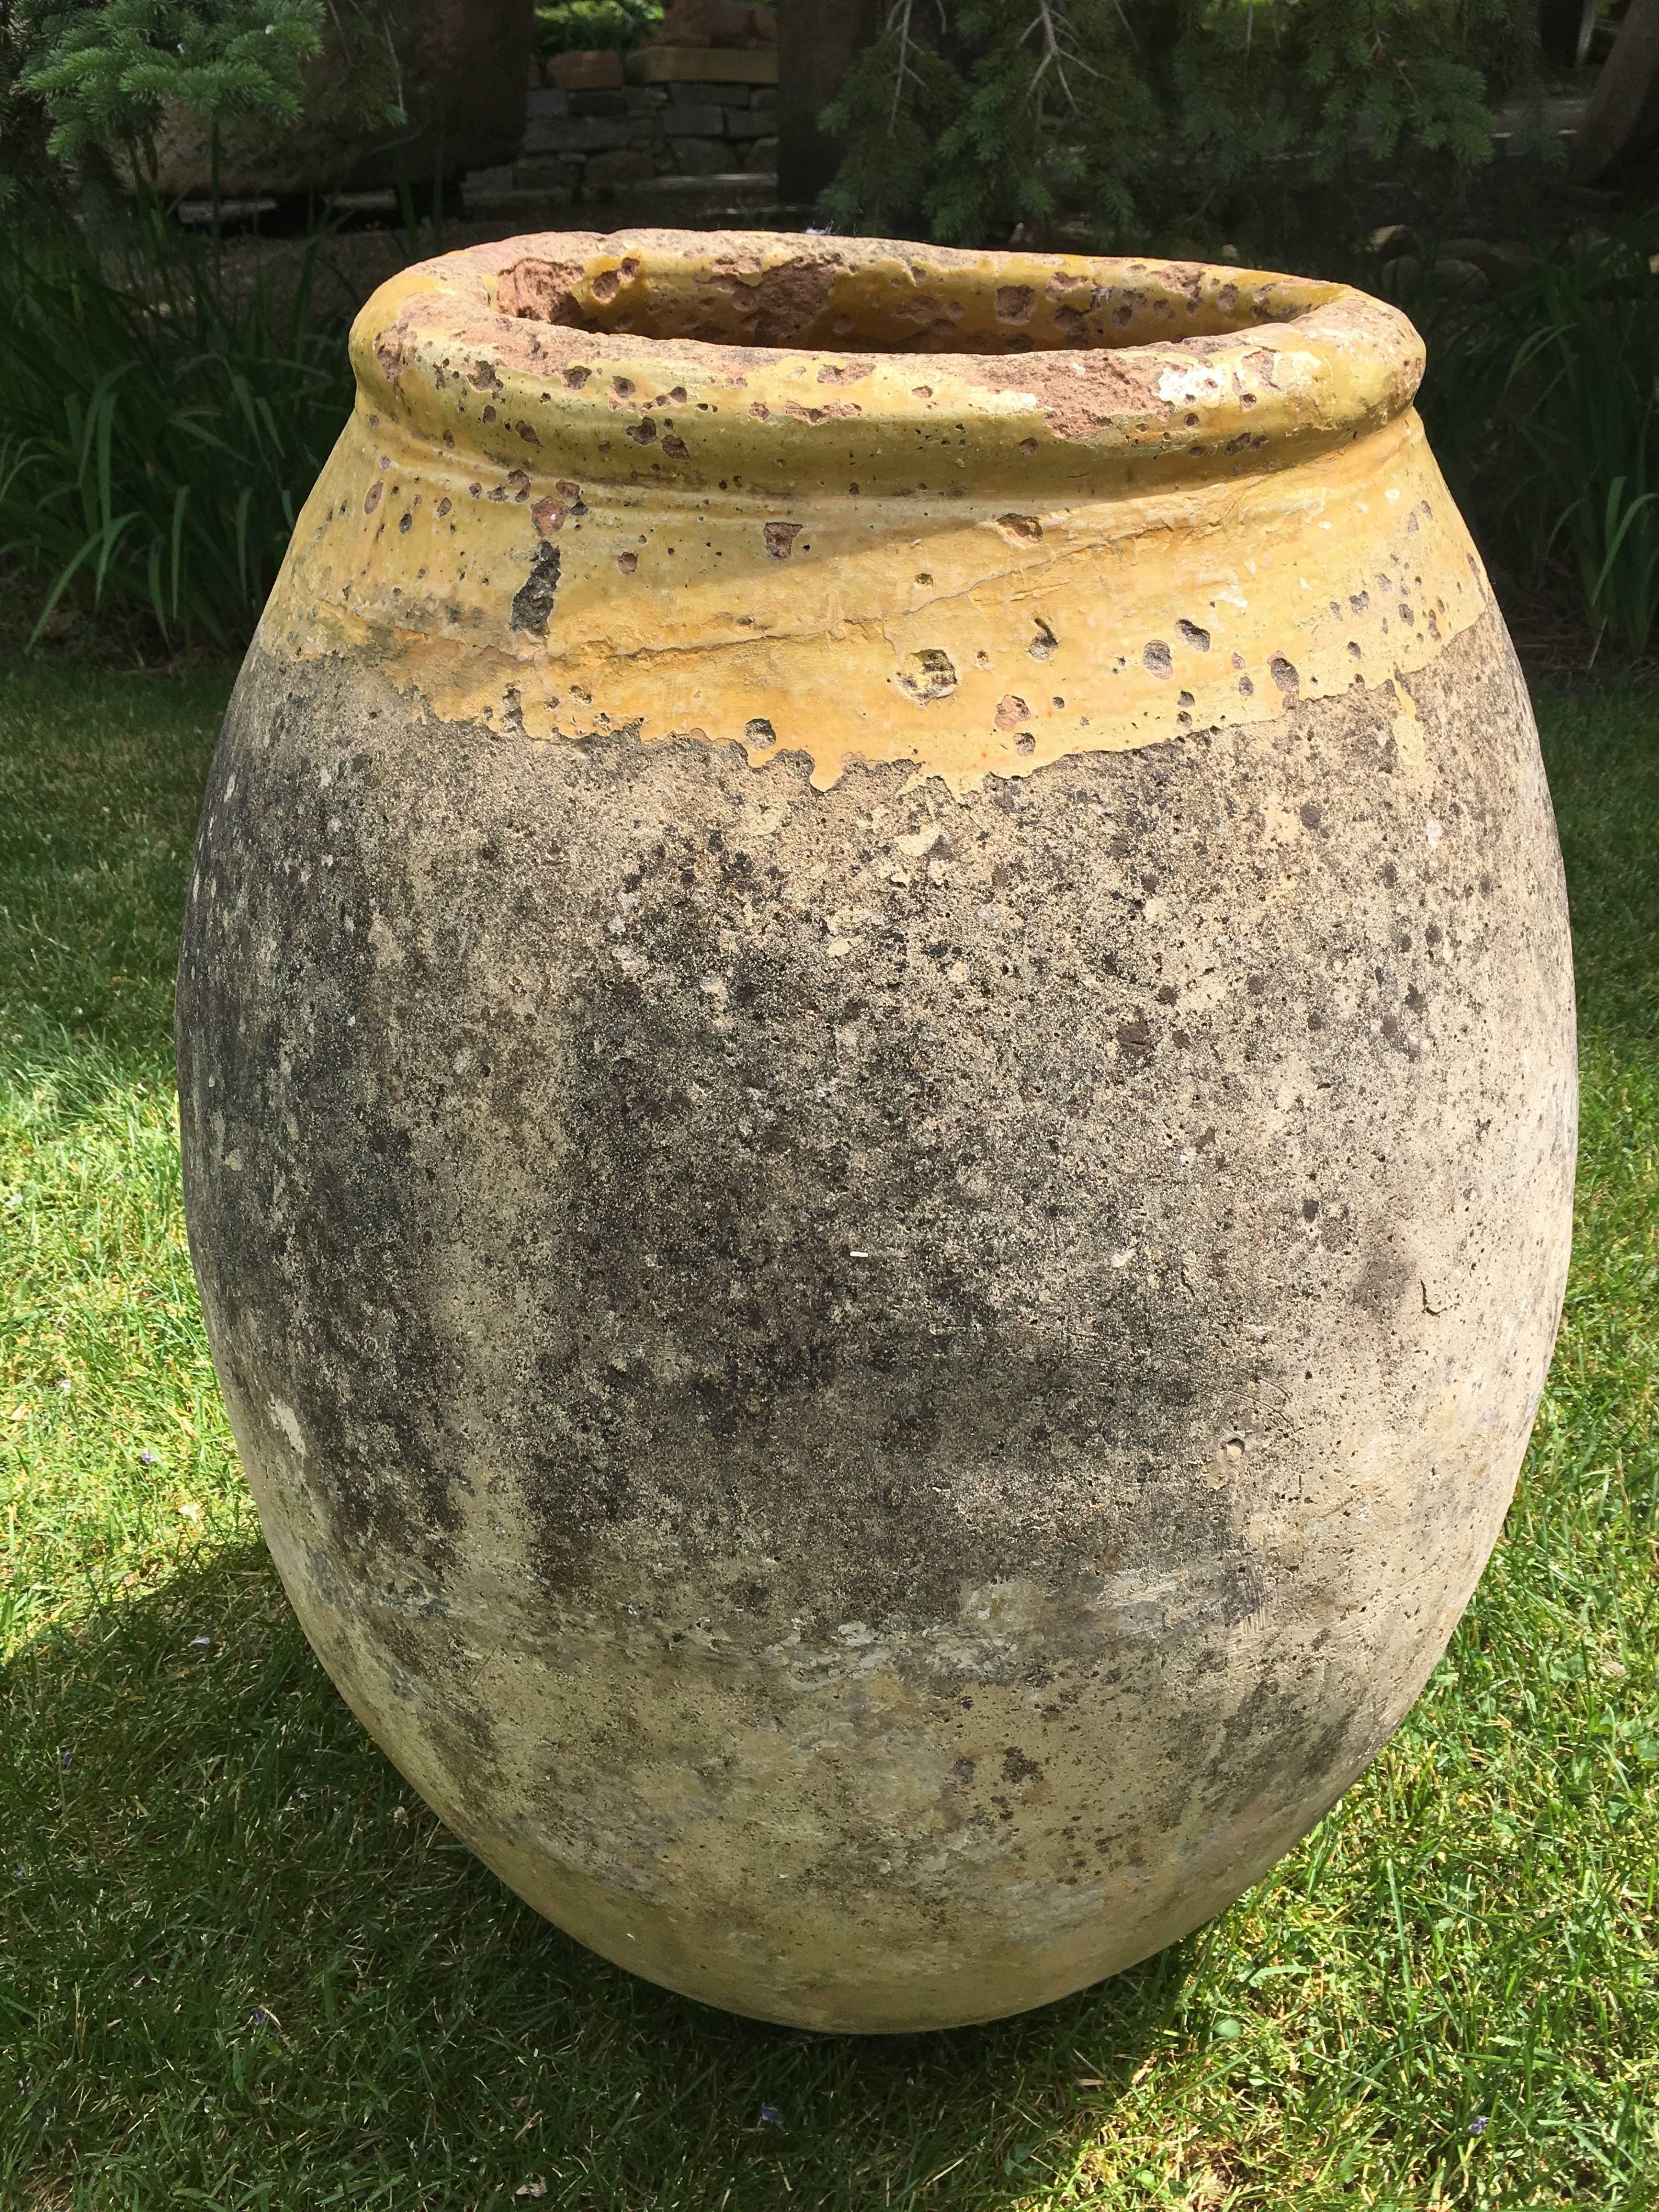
(574, 140)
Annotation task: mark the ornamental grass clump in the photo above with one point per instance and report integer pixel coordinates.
(1543, 407)
(158, 428)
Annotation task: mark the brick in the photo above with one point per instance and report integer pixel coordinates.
(627, 165)
(763, 157)
(744, 123)
(598, 103)
(700, 120)
(586, 71)
(765, 101)
(542, 173)
(701, 157)
(537, 105)
(577, 133)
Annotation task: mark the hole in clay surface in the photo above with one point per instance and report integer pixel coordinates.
(929, 674)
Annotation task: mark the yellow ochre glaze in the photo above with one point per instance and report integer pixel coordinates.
(1012, 541)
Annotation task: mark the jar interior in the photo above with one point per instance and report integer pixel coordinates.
(894, 302)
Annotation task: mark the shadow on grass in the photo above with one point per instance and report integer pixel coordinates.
(246, 1966)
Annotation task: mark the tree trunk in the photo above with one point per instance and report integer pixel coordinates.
(1624, 110)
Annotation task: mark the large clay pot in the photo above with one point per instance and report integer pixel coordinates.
(876, 1057)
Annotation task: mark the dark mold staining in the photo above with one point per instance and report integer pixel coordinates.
(1045, 645)
(405, 522)
(1190, 634)
(1311, 813)
(532, 603)
(1024, 527)
(811, 1385)
(780, 537)
(675, 447)
(1383, 1283)
(1011, 711)
(1158, 659)
(643, 433)
(371, 497)
(628, 562)
(759, 732)
(1285, 675)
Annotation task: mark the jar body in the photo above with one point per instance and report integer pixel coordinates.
(880, 1385)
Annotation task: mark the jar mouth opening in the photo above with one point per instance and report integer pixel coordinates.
(885, 297)
(1131, 365)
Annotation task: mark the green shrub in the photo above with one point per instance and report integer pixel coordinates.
(157, 433)
(963, 122)
(105, 75)
(611, 25)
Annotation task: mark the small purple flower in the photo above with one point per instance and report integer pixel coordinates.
(1479, 2123)
(145, 1459)
(259, 2016)
(770, 2116)
(62, 1758)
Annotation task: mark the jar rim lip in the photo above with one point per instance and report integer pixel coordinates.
(1215, 359)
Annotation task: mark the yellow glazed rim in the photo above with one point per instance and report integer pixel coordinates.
(1081, 360)
(868, 501)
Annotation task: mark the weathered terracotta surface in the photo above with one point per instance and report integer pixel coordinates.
(877, 1072)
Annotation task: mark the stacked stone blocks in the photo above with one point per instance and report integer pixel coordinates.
(576, 139)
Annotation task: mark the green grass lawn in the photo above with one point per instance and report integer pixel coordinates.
(239, 1967)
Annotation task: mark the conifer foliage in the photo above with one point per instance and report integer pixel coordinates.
(107, 75)
(968, 120)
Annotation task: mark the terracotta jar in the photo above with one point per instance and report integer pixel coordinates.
(876, 1055)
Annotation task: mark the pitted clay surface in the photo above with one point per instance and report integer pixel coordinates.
(880, 1394)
